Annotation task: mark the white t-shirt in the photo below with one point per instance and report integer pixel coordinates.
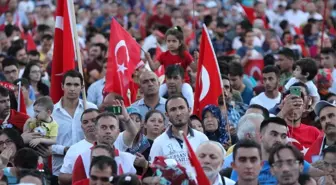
(265, 101)
(72, 154)
(173, 148)
(311, 87)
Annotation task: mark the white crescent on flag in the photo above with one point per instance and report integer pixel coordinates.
(205, 83)
(121, 67)
(59, 22)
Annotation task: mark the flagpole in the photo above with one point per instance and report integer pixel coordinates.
(19, 97)
(77, 50)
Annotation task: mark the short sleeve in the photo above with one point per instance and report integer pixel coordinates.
(290, 83)
(188, 59)
(160, 58)
(306, 167)
(53, 129)
(312, 89)
(120, 144)
(68, 163)
(155, 151)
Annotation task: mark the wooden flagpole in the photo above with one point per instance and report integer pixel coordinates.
(76, 43)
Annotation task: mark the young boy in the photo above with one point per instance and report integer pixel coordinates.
(305, 71)
(43, 123)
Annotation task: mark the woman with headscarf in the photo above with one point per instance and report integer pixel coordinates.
(214, 124)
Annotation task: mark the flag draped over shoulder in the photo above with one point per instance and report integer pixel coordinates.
(123, 58)
(64, 48)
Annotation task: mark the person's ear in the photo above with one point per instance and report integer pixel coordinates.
(307, 74)
(233, 165)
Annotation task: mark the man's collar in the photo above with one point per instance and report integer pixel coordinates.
(170, 132)
(161, 101)
(59, 105)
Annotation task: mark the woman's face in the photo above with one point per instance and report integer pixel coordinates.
(6, 143)
(136, 118)
(155, 124)
(197, 125)
(210, 122)
(35, 73)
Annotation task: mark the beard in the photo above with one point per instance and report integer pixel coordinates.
(330, 130)
(213, 173)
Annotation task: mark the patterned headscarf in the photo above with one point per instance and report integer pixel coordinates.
(223, 135)
(324, 80)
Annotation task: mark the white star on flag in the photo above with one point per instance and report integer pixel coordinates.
(122, 68)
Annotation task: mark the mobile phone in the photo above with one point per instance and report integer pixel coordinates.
(116, 110)
(295, 90)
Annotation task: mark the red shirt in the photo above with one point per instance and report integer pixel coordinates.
(166, 59)
(17, 119)
(303, 136)
(83, 182)
(156, 20)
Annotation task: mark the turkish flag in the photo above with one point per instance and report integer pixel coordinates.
(64, 49)
(30, 43)
(123, 58)
(200, 175)
(208, 87)
(254, 68)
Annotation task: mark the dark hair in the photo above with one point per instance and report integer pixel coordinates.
(104, 147)
(248, 31)
(42, 88)
(105, 115)
(10, 61)
(194, 117)
(304, 178)
(299, 84)
(15, 136)
(178, 33)
(236, 69)
(102, 162)
(14, 49)
(173, 97)
(307, 65)
(328, 51)
(4, 91)
(276, 149)
(47, 37)
(45, 101)
(245, 143)
(275, 120)
(271, 69)
(73, 74)
(26, 158)
(173, 70)
(43, 28)
(224, 77)
(24, 82)
(128, 179)
(328, 95)
(102, 47)
(264, 111)
(330, 149)
(88, 111)
(34, 53)
(207, 20)
(151, 112)
(288, 53)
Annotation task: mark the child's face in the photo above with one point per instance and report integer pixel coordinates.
(172, 43)
(298, 73)
(195, 124)
(41, 113)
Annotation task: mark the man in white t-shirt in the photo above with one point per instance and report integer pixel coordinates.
(271, 96)
(170, 143)
(88, 120)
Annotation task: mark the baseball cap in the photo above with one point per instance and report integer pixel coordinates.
(323, 104)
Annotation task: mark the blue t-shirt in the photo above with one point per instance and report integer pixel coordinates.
(11, 179)
(265, 175)
(247, 95)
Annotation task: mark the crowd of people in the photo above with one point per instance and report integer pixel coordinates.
(275, 122)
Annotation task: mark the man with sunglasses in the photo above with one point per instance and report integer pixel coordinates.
(286, 163)
(327, 114)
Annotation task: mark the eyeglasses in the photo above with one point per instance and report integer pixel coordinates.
(8, 141)
(103, 179)
(289, 162)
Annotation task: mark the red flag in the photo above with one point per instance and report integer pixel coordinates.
(64, 49)
(21, 104)
(254, 68)
(207, 64)
(123, 58)
(200, 175)
(161, 71)
(30, 44)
